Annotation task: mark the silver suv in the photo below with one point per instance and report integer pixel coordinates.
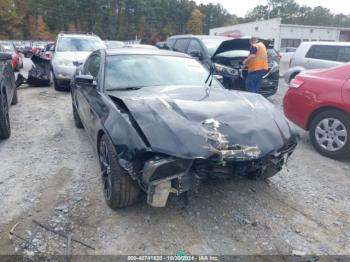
(317, 55)
(70, 51)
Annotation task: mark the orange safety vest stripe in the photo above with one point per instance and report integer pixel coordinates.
(260, 60)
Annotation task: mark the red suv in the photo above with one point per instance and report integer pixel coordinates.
(319, 101)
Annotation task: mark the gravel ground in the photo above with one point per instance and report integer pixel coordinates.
(49, 172)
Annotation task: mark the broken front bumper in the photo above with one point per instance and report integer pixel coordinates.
(162, 176)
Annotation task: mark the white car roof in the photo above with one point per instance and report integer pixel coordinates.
(326, 43)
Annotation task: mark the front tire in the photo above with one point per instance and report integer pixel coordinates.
(5, 128)
(15, 98)
(77, 120)
(119, 189)
(56, 85)
(330, 134)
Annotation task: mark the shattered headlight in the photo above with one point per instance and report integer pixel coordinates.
(225, 70)
(64, 62)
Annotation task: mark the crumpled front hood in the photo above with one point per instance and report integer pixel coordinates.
(189, 123)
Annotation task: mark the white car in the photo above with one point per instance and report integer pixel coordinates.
(71, 50)
(317, 55)
(286, 54)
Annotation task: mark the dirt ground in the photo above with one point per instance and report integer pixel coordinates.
(49, 172)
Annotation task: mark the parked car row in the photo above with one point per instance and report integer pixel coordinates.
(122, 93)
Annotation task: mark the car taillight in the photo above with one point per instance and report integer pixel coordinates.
(295, 83)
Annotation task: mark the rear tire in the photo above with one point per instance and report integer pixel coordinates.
(77, 120)
(56, 85)
(5, 128)
(15, 98)
(330, 134)
(119, 189)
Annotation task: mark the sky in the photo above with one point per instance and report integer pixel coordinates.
(240, 8)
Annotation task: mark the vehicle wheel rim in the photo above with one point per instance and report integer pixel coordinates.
(6, 110)
(331, 134)
(105, 169)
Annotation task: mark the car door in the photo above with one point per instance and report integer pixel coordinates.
(87, 95)
(346, 94)
(321, 56)
(8, 79)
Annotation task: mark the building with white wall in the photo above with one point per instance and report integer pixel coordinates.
(284, 34)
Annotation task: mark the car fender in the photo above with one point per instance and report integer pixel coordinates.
(123, 131)
(292, 71)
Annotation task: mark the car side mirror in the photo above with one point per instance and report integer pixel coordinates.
(197, 54)
(85, 80)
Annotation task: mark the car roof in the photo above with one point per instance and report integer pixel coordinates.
(326, 43)
(78, 35)
(144, 51)
(201, 37)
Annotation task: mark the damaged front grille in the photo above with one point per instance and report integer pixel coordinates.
(266, 167)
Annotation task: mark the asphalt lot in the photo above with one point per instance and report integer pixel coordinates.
(49, 172)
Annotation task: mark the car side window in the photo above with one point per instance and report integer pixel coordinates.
(170, 43)
(181, 45)
(194, 46)
(343, 54)
(323, 52)
(92, 66)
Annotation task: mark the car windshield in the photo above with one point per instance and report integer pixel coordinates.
(74, 44)
(49, 47)
(212, 44)
(133, 71)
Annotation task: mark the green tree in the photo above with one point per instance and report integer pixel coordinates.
(8, 18)
(195, 23)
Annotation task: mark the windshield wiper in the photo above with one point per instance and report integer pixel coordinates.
(210, 76)
(130, 88)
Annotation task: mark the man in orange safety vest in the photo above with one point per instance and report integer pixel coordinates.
(257, 65)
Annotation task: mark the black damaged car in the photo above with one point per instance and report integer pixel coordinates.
(161, 123)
